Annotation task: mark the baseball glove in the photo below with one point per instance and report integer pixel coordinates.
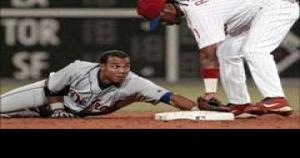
(212, 104)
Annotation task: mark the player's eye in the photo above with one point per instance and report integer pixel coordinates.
(114, 66)
(127, 66)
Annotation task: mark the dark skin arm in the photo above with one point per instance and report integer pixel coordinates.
(209, 60)
(55, 99)
(177, 101)
(182, 102)
(170, 15)
(208, 57)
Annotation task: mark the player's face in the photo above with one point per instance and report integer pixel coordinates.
(115, 70)
(170, 15)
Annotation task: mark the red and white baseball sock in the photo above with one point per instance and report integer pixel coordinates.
(210, 77)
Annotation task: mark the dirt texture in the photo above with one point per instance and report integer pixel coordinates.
(145, 120)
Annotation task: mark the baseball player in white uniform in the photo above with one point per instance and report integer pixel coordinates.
(237, 31)
(84, 88)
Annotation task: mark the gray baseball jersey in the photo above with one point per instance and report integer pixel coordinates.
(85, 95)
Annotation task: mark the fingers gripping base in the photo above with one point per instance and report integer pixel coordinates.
(194, 115)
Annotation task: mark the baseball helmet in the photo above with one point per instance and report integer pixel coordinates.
(150, 10)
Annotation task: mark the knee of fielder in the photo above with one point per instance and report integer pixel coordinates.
(254, 56)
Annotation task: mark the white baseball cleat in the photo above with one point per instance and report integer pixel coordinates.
(4, 116)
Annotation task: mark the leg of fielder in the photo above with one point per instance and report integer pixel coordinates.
(233, 74)
(29, 96)
(210, 73)
(267, 31)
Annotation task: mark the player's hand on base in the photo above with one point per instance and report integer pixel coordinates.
(61, 113)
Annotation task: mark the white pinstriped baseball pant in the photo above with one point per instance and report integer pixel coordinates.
(267, 31)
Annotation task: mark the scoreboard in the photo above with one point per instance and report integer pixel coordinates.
(40, 36)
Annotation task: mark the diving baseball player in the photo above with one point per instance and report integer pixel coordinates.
(84, 88)
(237, 31)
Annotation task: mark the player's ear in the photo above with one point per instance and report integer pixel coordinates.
(102, 66)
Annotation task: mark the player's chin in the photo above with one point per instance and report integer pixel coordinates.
(119, 79)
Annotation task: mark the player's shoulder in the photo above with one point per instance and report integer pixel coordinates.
(132, 76)
(81, 67)
(129, 82)
(131, 79)
(135, 80)
(83, 64)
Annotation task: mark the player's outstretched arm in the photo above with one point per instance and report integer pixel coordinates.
(152, 93)
(181, 102)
